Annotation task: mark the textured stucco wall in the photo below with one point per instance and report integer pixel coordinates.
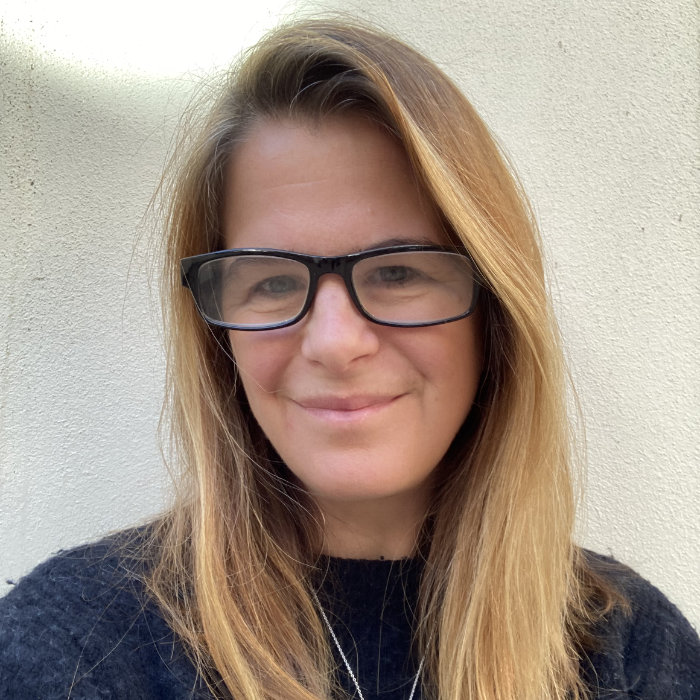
(597, 105)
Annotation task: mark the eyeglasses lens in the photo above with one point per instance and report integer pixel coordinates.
(253, 291)
(414, 287)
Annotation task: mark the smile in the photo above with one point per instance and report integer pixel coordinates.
(336, 408)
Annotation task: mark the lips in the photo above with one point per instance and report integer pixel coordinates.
(345, 404)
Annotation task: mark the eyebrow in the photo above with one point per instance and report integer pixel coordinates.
(389, 242)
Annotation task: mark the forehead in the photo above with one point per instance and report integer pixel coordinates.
(323, 188)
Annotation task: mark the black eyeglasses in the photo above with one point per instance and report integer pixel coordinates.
(260, 289)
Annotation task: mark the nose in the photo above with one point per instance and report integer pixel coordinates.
(335, 334)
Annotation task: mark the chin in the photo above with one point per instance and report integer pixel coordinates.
(369, 490)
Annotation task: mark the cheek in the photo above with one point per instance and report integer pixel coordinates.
(254, 367)
(261, 361)
(452, 356)
(453, 366)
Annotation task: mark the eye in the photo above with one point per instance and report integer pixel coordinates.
(395, 275)
(278, 286)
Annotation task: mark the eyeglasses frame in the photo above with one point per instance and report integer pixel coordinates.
(319, 265)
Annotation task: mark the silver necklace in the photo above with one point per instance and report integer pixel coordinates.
(344, 658)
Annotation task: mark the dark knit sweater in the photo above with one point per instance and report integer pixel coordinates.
(79, 627)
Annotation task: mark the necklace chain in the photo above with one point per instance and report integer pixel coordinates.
(345, 660)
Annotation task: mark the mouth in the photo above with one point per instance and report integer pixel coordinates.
(343, 408)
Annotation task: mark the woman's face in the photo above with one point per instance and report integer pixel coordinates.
(360, 413)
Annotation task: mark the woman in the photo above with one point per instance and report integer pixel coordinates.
(366, 390)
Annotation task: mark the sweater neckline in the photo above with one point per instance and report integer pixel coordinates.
(366, 584)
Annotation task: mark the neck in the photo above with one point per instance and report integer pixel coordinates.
(380, 529)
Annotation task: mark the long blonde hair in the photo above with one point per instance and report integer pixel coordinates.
(506, 599)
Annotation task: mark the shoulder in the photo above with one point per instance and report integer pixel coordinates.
(81, 625)
(649, 650)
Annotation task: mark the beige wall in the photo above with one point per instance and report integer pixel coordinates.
(597, 107)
